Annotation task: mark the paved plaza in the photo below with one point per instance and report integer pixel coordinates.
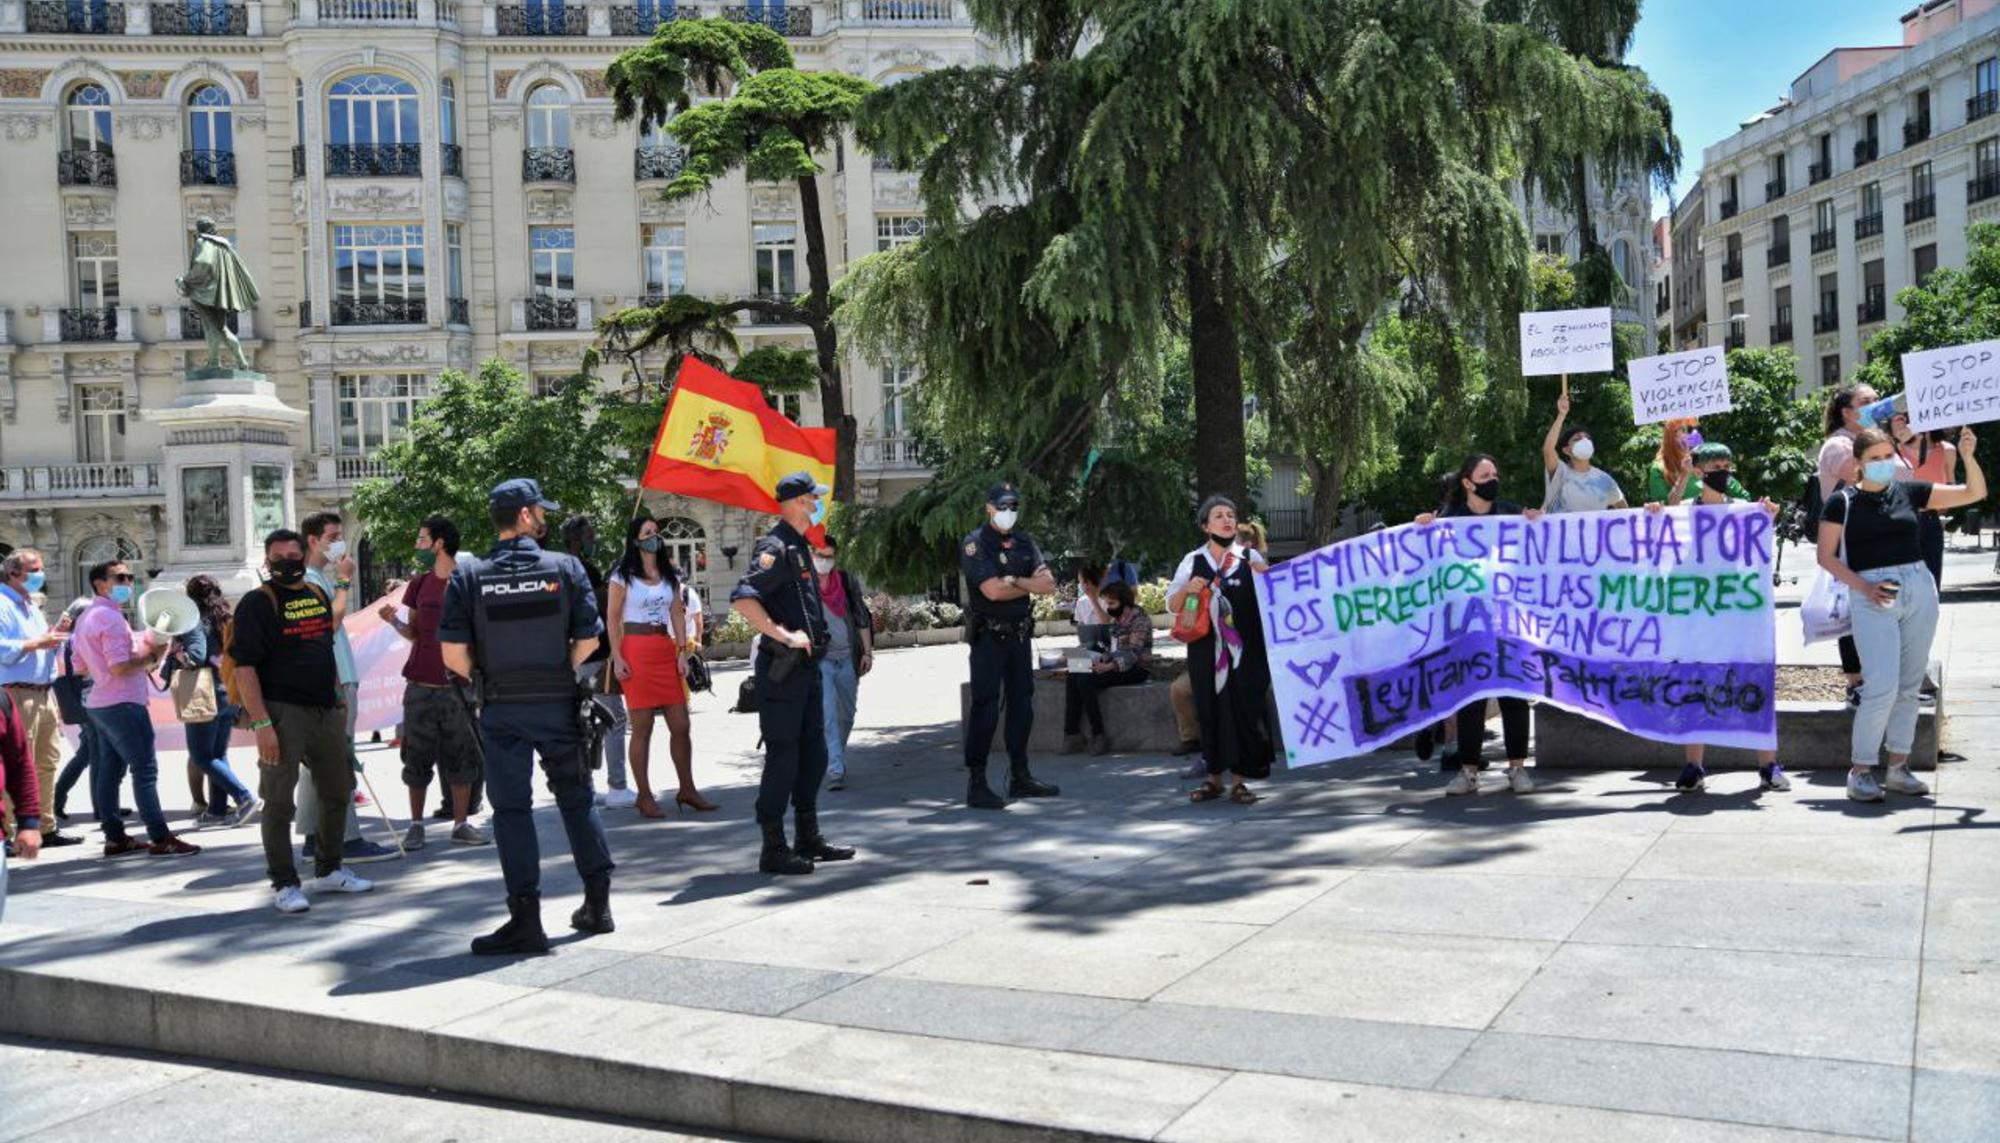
(1356, 957)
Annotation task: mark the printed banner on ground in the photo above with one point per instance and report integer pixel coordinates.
(1659, 623)
(1565, 341)
(1952, 387)
(1678, 385)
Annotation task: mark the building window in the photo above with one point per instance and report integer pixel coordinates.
(1923, 263)
(1920, 181)
(378, 274)
(552, 261)
(548, 118)
(1829, 369)
(893, 230)
(372, 109)
(1871, 199)
(94, 260)
(100, 423)
(665, 251)
(777, 258)
(447, 111)
(377, 408)
(454, 260)
(1823, 216)
(88, 125)
(898, 384)
(209, 123)
(1549, 244)
(792, 405)
(1986, 158)
(550, 384)
(1986, 77)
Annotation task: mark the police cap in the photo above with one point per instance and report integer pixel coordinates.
(799, 484)
(1003, 495)
(519, 492)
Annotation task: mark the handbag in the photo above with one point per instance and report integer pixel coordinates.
(69, 689)
(1827, 610)
(194, 694)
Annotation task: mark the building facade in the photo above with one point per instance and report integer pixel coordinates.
(417, 185)
(1862, 182)
(1688, 293)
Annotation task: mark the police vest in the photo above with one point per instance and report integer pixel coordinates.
(520, 629)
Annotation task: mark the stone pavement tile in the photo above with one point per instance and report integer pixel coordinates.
(1411, 901)
(1258, 1109)
(1844, 1008)
(764, 990)
(1550, 849)
(1172, 889)
(1789, 857)
(1313, 1047)
(1120, 958)
(78, 910)
(1458, 982)
(992, 886)
(1955, 1107)
(965, 1012)
(837, 935)
(1836, 1096)
(1958, 1025)
(1764, 916)
(1817, 805)
(1962, 858)
(1964, 925)
(46, 1085)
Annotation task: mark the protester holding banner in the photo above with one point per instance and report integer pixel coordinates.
(1836, 467)
(1226, 665)
(1926, 456)
(1573, 483)
(648, 626)
(1871, 539)
(1477, 493)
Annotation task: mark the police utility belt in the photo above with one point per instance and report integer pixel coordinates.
(782, 659)
(1000, 630)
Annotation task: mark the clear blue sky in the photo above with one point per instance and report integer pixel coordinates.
(1723, 61)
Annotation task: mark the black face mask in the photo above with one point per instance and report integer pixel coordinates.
(1717, 480)
(288, 572)
(1488, 490)
(1221, 541)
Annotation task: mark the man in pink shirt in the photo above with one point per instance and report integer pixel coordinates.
(119, 664)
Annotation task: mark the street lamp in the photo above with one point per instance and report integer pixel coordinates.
(1732, 319)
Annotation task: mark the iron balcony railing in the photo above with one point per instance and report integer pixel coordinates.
(196, 18)
(306, 314)
(75, 18)
(1774, 190)
(548, 165)
(1826, 321)
(645, 21)
(373, 160)
(1868, 226)
(542, 20)
(451, 157)
(784, 21)
(1779, 255)
(86, 169)
(89, 323)
(1983, 186)
(1981, 105)
(298, 161)
(1819, 172)
(1866, 151)
(1824, 240)
(1728, 206)
(658, 162)
(1874, 306)
(1781, 333)
(457, 311)
(1916, 131)
(551, 313)
(392, 311)
(208, 168)
(1732, 268)
(1918, 209)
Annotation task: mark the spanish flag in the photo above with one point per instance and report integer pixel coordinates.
(721, 440)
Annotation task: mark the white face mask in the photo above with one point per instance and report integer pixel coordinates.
(336, 549)
(1583, 449)
(822, 566)
(1004, 520)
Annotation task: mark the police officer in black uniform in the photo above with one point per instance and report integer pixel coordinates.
(779, 596)
(1003, 567)
(518, 622)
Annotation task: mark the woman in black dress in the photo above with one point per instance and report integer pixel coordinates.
(1231, 679)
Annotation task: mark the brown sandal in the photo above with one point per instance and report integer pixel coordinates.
(1242, 795)
(1206, 792)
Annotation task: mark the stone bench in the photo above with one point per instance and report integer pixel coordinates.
(1138, 719)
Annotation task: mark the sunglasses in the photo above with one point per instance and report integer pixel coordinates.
(126, 578)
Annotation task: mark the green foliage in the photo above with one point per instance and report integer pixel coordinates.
(777, 369)
(478, 431)
(1774, 434)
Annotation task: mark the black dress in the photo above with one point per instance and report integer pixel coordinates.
(1235, 735)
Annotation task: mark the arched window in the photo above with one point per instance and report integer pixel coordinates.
(99, 549)
(88, 125)
(210, 127)
(372, 108)
(447, 111)
(686, 544)
(1621, 259)
(548, 117)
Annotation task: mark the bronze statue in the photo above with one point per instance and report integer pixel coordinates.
(217, 284)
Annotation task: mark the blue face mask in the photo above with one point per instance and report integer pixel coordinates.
(1879, 471)
(36, 580)
(121, 594)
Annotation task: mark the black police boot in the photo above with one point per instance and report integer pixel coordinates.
(594, 915)
(979, 795)
(814, 847)
(522, 935)
(1025, 785)
(777, 856)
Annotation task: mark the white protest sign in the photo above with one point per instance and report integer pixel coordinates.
(1951, 387)
(1676, 385)
(1565, 341)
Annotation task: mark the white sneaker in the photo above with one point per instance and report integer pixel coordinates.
(1862, 787)
(1518, 780)
(292, 899)
(1467, 782)
(1901, 781)
(342, 880)
(623, 799)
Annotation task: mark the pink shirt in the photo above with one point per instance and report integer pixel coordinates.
(103, 639)
(1834, 456)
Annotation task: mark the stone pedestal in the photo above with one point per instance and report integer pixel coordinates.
(227, 468)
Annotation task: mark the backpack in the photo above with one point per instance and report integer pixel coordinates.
(227, 671)
(1811, 504)
(69, 689)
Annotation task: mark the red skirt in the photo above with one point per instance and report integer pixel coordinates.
(656, 672)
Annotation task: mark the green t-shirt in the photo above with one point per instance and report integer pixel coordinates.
(1658, 488)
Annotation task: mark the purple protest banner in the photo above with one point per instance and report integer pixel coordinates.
(1659, 623)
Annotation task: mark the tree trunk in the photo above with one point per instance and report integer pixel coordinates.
(1329, 479)
(832, 395)
(1579, 192)
(1217, 363)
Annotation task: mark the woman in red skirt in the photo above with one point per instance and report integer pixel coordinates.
(647, 621)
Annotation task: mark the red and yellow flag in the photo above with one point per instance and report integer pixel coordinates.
(721, 440)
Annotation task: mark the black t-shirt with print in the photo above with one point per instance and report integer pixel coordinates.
(291, 645)
(1884, 530)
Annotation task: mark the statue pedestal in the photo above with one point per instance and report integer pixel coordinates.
(228, 473)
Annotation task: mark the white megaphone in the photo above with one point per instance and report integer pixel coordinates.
(167, 612)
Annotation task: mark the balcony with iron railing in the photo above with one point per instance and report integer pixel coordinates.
(1984, 185)
(305, 313)
(542, 20)
(910, 11)
(199, 18)
(1818, 173)
(1916, 131)
(1825, 240)
(381, 311)
(298, 161)
(89, 481)
(457, 311)
(758, 317)
(374, 160)
(374, 13)
(658, 162)
(896, 453)
(788, 21)
(87, 323)
(208, 168)
(1728, 207)
(86, 169)
(1918, 209)
(1866, 151)
(548, 165)
(1781, 332)
(1732, 268)
(1774, 190)
(1662, 304)
(75, 18)
(543, 313)
(1874, 305)
(1868, 226)
(1826, 321)
(1981, 105)
(451, 157)
(636, 21)
(1778, 255)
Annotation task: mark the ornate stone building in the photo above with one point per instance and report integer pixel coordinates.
(417, 185)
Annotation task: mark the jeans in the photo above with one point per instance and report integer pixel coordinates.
(84, 761)
(208, 748)
(839, 684)
(613, 759)
(1895, 646)
(125, 743)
